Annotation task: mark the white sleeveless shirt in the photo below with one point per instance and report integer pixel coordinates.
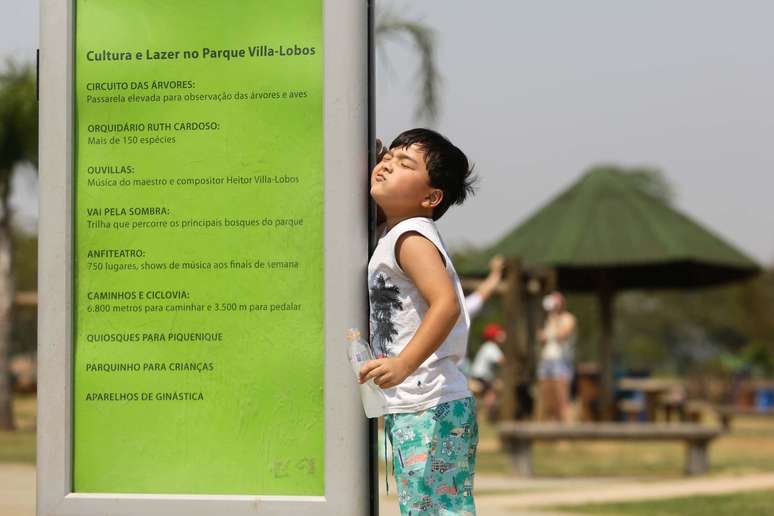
(397, 310)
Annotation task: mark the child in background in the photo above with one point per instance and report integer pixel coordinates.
(485, 366)
(419, 326)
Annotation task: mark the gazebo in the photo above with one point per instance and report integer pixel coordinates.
(606, 233)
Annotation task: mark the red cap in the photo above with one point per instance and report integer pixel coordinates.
(491, 331)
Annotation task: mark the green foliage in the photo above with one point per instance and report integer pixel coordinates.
(18, 118)
(25, 261)
(713, 330)
(755, 358)
(18, 144)
(24, 331)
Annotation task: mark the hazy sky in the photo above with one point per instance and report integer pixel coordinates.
(536, 92)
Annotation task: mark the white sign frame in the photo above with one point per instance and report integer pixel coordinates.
(348, 479)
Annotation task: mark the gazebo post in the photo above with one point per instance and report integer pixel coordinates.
(606, 299)
(516, 341)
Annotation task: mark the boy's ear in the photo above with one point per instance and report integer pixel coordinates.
(433, 199)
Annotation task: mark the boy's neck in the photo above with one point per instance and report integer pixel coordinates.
(392, 220)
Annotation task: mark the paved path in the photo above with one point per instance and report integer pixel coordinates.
(500, 496)
(493, 490)
(497, 495)
(17, 490)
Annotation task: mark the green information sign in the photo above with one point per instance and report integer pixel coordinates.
(198, 260)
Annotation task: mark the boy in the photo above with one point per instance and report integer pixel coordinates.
(419, 326)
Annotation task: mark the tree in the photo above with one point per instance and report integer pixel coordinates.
(391, 26)
(18, 145)
(25, 319)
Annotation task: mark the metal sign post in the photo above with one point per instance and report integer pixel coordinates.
(203, 242)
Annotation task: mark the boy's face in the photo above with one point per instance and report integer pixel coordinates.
(400, 183)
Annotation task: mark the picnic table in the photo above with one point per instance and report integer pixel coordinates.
(653, 390)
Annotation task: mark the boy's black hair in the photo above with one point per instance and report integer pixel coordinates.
(446, 164)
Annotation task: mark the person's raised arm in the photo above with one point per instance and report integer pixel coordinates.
(422, 262)
(496, 266)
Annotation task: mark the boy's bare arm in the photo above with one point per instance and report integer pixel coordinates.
(423, 264)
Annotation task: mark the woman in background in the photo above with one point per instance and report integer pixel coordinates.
(557, 358)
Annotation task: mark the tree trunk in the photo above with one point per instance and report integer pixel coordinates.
(6, 305)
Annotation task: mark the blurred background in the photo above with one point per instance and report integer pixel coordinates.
(624, 158)
(625, 161)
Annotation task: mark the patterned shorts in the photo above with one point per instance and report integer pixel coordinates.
(434, 459)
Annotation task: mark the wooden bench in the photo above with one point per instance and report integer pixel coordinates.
(727, 412)
(517, 437)
(694, 410)
(631, 409)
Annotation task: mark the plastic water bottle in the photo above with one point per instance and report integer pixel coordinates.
(359, 353)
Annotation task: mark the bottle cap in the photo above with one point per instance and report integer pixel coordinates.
(353, 334)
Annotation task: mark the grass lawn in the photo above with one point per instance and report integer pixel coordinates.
(19, 446)
(749, 448)
(756, 503)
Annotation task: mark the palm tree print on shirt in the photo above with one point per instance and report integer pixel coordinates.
(384, 303)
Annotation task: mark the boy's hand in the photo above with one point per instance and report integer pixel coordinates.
(380, 150)
(386, 372)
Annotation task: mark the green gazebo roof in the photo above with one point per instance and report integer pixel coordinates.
(607, 225)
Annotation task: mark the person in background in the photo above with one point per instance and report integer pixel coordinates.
(485, 366)
(475, 301)
(556, 364)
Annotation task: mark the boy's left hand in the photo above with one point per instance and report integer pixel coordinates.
(386, 372)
